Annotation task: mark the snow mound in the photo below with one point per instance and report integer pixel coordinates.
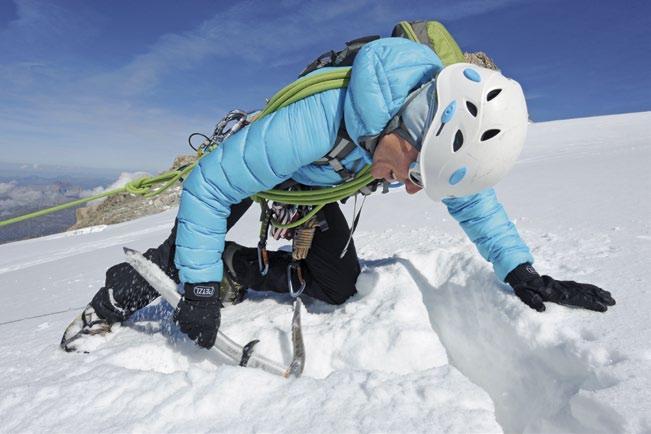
(539, 376)
(358, 377)
(432, 342)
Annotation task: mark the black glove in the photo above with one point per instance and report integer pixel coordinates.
(533, 289)
(197, 314)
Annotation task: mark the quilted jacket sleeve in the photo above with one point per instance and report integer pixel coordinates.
(260, 156)
(485, 222)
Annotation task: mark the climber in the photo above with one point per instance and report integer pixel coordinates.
(451, 131)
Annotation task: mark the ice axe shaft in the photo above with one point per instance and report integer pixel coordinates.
(224, 345)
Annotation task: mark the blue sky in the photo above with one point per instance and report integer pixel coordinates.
(120, 84)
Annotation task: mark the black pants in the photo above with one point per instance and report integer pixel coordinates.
(328, 277)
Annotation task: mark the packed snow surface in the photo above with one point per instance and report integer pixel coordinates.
(431, 343)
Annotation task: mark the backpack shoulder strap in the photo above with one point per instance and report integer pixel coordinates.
(344, 57)
(342, 147)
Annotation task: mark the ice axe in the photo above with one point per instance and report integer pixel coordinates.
(225, 346)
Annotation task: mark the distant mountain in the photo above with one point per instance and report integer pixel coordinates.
(25, 192)
(39, 227)
(19, 171)
(27, 189)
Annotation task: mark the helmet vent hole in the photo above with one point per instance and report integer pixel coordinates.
(458, 141)
(489, 134)
(471, 108)
(492, 94)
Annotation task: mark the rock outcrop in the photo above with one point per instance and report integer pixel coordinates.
(481, 59)
(124, 207)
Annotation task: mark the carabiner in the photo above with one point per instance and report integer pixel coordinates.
(299, 274)
(223, 131)
(263, 259)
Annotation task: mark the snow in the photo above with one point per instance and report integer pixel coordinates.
(432, 342)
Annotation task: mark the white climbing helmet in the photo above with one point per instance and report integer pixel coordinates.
(475, 135)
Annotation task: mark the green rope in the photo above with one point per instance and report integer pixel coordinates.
(142, 187)
(321, 196)
(318, 198)
(307, 86)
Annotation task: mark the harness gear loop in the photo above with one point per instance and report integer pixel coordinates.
(285, 218)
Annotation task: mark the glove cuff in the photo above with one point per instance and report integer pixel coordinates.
(207, 292)
(522, 274)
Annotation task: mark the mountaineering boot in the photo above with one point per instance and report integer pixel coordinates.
(232, 288)
(242, 272)
(86, 325)
(97, 319)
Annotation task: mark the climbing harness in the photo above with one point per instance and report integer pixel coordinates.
(284, 215)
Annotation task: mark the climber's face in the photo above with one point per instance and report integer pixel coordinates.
(391, 161)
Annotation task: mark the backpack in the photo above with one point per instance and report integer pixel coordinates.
(431, 33)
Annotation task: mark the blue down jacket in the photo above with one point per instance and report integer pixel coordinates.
(283, 145)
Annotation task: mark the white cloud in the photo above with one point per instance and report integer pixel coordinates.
(47, 26)
(6, 187)
(13, 196)
(123, 179)
(237, 32)
(240, 32)
(70, 114)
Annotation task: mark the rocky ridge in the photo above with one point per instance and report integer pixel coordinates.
(481, 59)
(124, 207)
